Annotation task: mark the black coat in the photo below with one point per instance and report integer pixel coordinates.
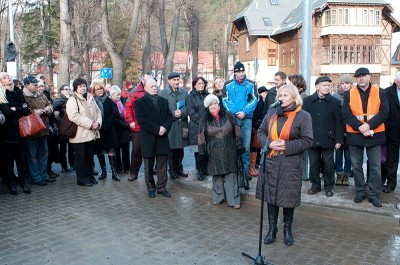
(150, 119)
(392, 124)
(327, 120)
(259, 112)
(358, 139)
(10, 129)
(108, 133)
(196, 109)
(123, 131)
(271, 96)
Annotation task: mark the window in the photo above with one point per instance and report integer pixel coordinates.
(271, 57)
(346, 16)
(369, 54)
(358, 54)
(364, 54)
(327, 18)
(377, 17)
(291, 56)
(352, 54)
(326, 54)
(284, 55)
(274, 2)
(371, 17)
(377, 59)
(340, 16)
(247, 44)
(267, 21)
(333, 54)
(365, 17)
(339, 56)
(346, 55)
(334, 17)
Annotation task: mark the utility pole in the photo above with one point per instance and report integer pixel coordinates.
(44, 38)
(11, 65)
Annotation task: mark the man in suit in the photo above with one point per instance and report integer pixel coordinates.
(392, 130)
(155, 121)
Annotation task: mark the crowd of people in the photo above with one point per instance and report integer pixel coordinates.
(232, 130)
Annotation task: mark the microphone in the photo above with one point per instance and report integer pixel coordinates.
(276, 104)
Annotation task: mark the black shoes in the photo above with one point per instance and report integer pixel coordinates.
(50, 179)
(93, 180)
(151, 193)
(387, 189)
(375, 201)
(164, 193)
(359, 198)
(174, 176)
(183, 175)
(40, 183)
(84, 184)
(25, 187)
(313, 191)
(329, 193)
(13, 189)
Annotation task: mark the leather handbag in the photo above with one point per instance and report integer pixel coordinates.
(30, 125)
(68, 128)
(254, 139)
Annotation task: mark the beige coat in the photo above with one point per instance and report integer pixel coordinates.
(88, 113)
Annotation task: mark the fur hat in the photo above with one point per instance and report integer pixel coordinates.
(210, 99)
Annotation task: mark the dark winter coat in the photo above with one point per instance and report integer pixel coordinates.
(176, 141)
(392, 124)
(283, 173)
(10, 129)
(358, 139)
(271, 96)
(327, 120)
(150, 119)
(108, 133)
(123, 131)
(196, 109)
(259, 112)
(59, 104)
(219, 142)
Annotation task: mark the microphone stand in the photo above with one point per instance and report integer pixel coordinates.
(259, 260)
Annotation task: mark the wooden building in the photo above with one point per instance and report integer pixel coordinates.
(346, 35)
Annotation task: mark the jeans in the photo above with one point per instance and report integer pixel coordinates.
(245, 127)
(344, 150)
(37, 154)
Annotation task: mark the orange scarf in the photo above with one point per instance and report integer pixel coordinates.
(285, 132)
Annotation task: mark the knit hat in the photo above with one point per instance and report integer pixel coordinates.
(210, 99)
(346, 79)
(238, 67)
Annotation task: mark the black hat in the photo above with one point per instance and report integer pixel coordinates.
(30, 79)
(173, 75)
(323, 78)
(238, 67)
(361, 71)
(262, 89)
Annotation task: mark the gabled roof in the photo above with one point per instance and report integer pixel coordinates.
(255, 13)
(396, 57)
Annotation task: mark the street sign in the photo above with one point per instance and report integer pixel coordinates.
(189, 61)
(106, 73)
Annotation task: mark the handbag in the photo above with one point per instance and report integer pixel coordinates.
(254, 139)
(68, 128)
(30, 125)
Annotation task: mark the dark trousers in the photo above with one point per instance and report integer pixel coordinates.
(136, 154)
(64, 145)
(315, 155)
(83, 161)
(374, 168)
(175, 158)
(122, 157)
(15, 152)
(392, 162)
(161, 168)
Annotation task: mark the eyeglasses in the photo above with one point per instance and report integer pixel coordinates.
(98, 89)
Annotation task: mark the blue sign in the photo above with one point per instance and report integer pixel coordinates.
(106, 73)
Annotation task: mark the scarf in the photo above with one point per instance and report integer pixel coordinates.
(215, 113)
(285, 132)
(100, 101)
(121, 108)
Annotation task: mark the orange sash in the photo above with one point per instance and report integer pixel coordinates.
(285, 132)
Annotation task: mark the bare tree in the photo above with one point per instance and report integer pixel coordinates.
(148, 9)
(65, 43)
(118, 57)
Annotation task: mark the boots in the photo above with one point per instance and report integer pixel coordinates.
(13, 186)
(273, 212)
(345, 179)
(339, 179)
(23, 182)
(200, 175)
(103, 172)
(287, 228)
(252, 167)
(115, 176)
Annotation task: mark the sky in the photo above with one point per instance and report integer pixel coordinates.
(396, 14)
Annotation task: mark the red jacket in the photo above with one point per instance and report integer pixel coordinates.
(130, 115)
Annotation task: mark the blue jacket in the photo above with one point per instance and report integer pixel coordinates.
(240, 97)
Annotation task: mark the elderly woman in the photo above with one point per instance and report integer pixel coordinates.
(59, 106)
(83, 110)
(108, 135)
(287, 132)
(123, 133)
(220, 142)
(195, 106)
(13, 106)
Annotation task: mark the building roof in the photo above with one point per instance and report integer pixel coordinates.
(396, 57)
(258, 10)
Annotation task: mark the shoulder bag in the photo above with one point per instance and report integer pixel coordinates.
(68, 128)
(30, 125)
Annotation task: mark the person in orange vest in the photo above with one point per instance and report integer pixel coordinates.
(365, 110)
